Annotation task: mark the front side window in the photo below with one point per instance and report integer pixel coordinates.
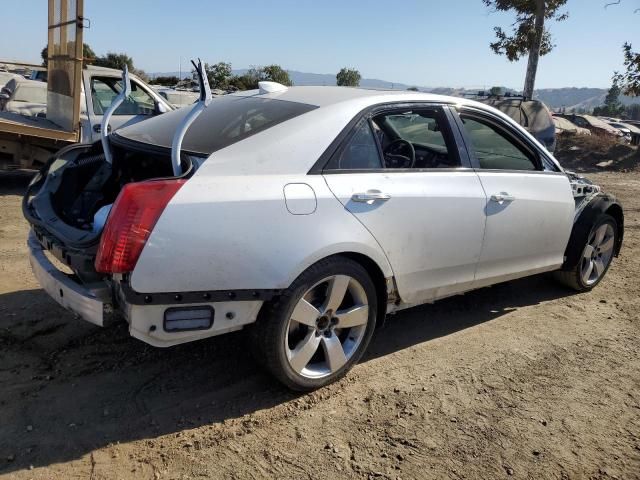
(104, 90)
(417, 138)
(494, 149)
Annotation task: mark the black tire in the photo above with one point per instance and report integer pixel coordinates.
(570, 276)
(268, 336)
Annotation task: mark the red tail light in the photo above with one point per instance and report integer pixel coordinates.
(131, 220)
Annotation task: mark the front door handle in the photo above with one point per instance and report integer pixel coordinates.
(502, 197)
(370, 196)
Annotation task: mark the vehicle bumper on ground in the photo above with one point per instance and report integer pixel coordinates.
(62, 288)
(146, 322)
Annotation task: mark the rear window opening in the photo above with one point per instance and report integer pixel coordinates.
(228, 119)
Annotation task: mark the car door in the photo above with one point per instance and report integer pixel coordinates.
(427, 217)
(530, 206)
(138, 106)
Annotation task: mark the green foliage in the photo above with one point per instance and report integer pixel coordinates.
(249, 80)
(495, 91)
(522, 37)
(275, 73)
(118, 61)
(348, 77)
(219, 74)
(630, 78)
(115, 60)
(87, 53)
(612, 100)
(169, 81)
(244, 82)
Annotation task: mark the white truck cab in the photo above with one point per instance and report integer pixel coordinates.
(28, 142)
(104, 84)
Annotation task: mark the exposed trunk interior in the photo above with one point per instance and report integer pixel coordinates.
(69, 200)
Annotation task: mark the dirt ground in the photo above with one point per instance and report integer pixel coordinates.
(521, 380)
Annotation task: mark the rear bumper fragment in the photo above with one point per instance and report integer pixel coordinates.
(68, 293)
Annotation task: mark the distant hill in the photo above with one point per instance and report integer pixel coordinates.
(305, 78)
(571, 98)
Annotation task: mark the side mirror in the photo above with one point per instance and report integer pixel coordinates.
(160, 108)
(4, 96)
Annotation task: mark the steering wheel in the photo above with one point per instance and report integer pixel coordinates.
(394, 159)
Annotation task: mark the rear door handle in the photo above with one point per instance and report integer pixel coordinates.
(370, 196)
(502, 197)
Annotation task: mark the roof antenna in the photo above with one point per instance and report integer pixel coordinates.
(104, 127)
(202, 103)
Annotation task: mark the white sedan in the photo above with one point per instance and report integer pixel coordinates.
(306, 214)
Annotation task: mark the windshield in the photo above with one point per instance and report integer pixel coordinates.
(29, 93)
(227, 120)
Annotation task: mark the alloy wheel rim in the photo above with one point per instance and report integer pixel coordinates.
(327, 326)
(597, 254)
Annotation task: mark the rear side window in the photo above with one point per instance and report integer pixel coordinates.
(228, 119)
(494, 149)
(360, 153)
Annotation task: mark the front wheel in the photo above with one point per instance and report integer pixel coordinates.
(320, 326)
(596, 256)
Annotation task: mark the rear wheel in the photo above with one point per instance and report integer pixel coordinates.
(320, 326)
(596, 256)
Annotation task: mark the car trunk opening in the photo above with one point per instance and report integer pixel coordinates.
(69, 201)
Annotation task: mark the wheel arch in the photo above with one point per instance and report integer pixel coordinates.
(600, 204)
(376, 266)
(615, 210)
(385, 286)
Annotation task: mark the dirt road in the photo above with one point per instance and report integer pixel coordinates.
(521, 380)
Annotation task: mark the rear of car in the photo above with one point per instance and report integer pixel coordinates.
(92, 219)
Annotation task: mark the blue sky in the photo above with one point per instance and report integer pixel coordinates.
(420, 42)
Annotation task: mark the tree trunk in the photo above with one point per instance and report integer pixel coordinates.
(534, 52)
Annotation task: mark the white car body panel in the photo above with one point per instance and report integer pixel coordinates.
(223, 226)
(143, 318)
(431, 228)
(528, 233)
(233, 210)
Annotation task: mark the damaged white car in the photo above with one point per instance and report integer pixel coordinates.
(306, 214)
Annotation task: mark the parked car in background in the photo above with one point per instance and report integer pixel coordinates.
(564, 126)
(630, 131)
(178, 98)
(6, 76)
(306, 214)
(24, 97)
(533, 115)
(102, 85)
(593, 124)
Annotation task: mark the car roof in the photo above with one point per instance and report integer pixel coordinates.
(323, 112)
(322, 96)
